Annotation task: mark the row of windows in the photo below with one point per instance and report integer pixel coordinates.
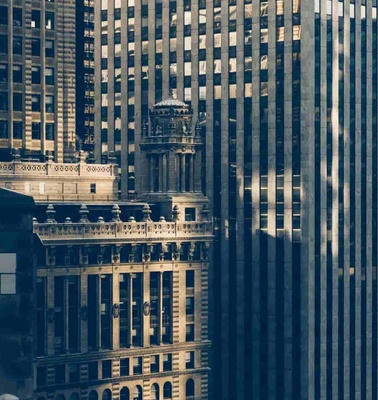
(17, 14)
(17, 74)
(70, 373)
(18, 130)
(18, 104)
(17, 46)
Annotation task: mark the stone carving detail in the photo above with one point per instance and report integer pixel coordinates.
(50, 315)
(115, 310)
(84, 313)
(146, 308)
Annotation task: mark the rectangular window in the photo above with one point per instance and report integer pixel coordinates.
(190, 214)
(36, 19)
(50, 131)
(3, 15)
(3, 73)
(74, 372)
(189, 332)
(60, 373)
(17, 16)
(49, 20)
(17, 73)
(17, 130)
(3, 129)
(4, 44)
(93, 188)
(49, 48)
(41, 376)
(189, 359)
(8, 273)
(137, 365)
(36, 75)
(50, 104)
(124, 365)
(92, 371)
(49, 76)
(3, 101)
(17, 102)
(167, 362)
(36, 47)
(154, 363)
(36, 103)
(106, 369)
(17, 45)
(190, 306)
(36, 130)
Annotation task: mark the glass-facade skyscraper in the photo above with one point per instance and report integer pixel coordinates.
(286, 96)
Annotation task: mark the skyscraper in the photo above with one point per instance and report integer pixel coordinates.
(286, 98)
(37, 78)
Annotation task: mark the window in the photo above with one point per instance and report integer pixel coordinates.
(189, 389)
(167, 362)
(3, 101)
(36, 19)
(3, 73)
(60, 373)
(17, 45)
(50, 131)
(154, 392)
(3, 129)
(17, 16)
(190, 214)
(41, 376)
(106, 369)
(36, 47)
(50, 106)
(17, 73)
(36, 130)
(4, 44)
(49, 76)
(137, 395)
(107, 394)
(167, 390)
(17, 130)
(93, 188)
(36, 103)
(189, 332)
(189, 359)
(92, 370)
(137, 365)
(3, 15)
(124, 367)
(189, 305)
(49, 20)
(49, 48)
(8, 273)
(74, 372)
(190, 280)
(154, 363)
(17, 102)
(36, 75)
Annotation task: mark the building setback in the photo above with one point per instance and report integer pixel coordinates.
(289, 117)
(37, 78)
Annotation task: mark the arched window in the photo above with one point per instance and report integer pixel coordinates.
(74, 396)
(125, 394)
(138, 393)
(155, 392)
(107, 394)
(189, 389)
(93, 395)
(167, 390)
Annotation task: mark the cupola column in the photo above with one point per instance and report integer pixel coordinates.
(161, 179)
(197, 172)
(182, 172)
(151, 166)
(171, 167)
(191, 174)
(164, 172)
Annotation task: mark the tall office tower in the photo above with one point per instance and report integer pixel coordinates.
(289, 117)
(37, 78)
(85, 74)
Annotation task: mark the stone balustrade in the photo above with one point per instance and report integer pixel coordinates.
(53, 169)
(126, 231)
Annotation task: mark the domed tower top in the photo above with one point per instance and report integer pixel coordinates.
(169, 117)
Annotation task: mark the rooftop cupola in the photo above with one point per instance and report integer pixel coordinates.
(172, 150)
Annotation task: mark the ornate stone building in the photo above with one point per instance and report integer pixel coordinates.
(122, 287)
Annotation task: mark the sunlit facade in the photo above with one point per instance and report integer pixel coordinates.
(286, 97)
(37, 78)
